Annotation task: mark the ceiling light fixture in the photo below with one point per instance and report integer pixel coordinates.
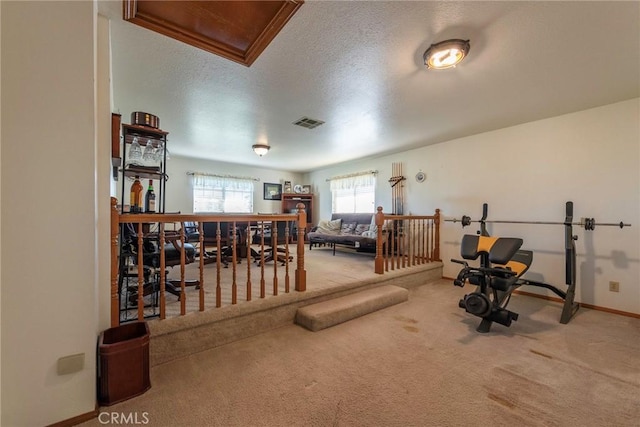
(446, 54)
(261, 149)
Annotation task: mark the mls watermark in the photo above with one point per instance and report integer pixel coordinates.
(124, 418)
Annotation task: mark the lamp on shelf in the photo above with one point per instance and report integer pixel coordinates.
(446, 54)
(260, 149)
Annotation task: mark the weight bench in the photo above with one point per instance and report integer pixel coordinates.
(502, 263)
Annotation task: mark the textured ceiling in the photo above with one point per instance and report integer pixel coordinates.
(357, 66)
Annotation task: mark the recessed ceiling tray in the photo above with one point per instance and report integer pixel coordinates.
(236, 30)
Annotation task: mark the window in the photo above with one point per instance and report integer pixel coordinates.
(222, 194)
(353, 194)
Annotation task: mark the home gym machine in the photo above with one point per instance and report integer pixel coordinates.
(502, 263)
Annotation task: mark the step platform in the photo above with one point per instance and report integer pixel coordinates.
(322, 315)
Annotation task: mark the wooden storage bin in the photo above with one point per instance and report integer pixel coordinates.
(123, 363)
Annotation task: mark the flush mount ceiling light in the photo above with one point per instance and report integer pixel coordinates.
(446, 54)
(260, 149)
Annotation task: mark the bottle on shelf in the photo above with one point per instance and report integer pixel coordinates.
(150, 199)
(135, 198)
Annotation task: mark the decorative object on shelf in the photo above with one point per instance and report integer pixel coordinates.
(148, 154)
(135, 150)
(272, 191)
(145, 119)
(306, 189)
(421, 176)
(150, 199)
(135, 198)
(287, 186)
(297, 189)
(116, 161)
(159, 152)
(446, 54)
(261, 149)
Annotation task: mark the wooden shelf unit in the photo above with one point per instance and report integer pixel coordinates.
(155, 171)
(290, 200)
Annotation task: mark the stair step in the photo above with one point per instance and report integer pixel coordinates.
(328, 313)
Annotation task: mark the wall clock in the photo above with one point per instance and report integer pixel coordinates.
(421, 176)
(297, 188)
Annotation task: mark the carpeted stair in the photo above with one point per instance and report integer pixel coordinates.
(328, 313)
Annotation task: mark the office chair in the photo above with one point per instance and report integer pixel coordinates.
(278, 235)
(151, 261)
(210, 231)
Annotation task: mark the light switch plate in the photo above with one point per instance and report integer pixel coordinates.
(70, 364)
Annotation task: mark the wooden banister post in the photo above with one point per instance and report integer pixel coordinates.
(140, 272)
(378, 263)
(301, 273)
(436, 250)
(115, 229)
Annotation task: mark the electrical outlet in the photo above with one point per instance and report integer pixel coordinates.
(614, 286)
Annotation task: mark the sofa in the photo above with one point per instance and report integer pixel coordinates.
(351, 230)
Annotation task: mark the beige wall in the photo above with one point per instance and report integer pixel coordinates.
(528, 172)
(49, 198)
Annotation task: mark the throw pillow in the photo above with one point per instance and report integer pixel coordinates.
(329, 227)
(373, 227)
(361, 228)
(348, 228)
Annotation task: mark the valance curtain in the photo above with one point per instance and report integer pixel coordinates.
(351, 182)
(211, 182)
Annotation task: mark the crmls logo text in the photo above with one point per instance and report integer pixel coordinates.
(120, 418)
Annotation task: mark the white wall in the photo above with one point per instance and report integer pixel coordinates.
(528, 172)
(179, 196)
(48, 242)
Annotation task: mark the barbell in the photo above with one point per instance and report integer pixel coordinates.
(588, 223)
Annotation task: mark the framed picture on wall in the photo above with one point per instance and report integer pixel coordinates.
(272, 191)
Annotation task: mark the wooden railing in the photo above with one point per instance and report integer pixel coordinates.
(406, 240)
(149, 270)
(402, 241)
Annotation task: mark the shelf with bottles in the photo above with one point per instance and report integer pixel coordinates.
(139, 200)
(144, 157)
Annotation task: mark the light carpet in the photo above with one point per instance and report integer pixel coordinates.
(418, 363)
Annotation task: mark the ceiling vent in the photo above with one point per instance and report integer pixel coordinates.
(308, 123)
